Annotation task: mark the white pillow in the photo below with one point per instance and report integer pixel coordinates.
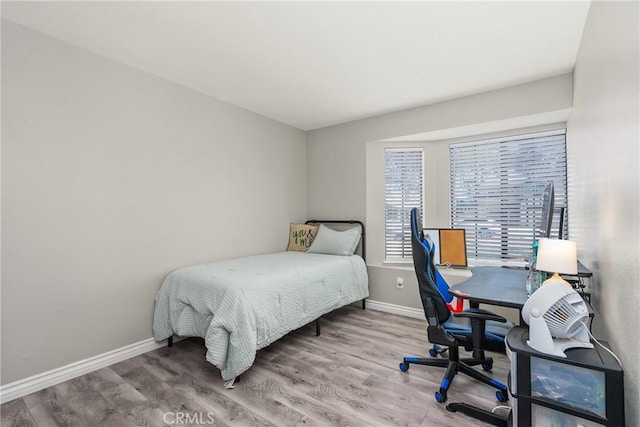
(333, 242)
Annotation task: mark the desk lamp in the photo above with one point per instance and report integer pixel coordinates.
(557, 257)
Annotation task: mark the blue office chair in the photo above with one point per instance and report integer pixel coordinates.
(474, 329)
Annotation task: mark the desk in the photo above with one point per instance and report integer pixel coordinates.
(577, 281)
(501, 286)
(583, 271)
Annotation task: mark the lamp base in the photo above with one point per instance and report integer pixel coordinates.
(556, 278)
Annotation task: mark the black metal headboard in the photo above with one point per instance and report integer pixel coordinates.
(346, 222)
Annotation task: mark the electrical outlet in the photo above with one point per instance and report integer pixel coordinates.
(399, 283)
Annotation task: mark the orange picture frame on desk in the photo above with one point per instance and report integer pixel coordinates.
(450, 244)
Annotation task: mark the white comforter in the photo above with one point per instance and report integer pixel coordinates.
(242, 305)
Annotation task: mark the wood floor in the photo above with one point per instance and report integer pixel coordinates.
(348, 376)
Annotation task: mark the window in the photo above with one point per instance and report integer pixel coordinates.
(402, 192)
(496, 191)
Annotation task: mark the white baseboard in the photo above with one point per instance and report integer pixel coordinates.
(41, 381)
(416, 313)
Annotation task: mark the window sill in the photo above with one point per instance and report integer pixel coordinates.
(475, 262)
(398, 262)
(472, 262)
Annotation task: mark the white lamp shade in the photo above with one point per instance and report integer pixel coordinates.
(557, 256)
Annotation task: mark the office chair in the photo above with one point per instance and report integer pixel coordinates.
(474, 329)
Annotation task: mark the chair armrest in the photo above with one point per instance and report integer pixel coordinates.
(479, 313)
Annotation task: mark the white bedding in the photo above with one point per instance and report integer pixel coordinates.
(242, 305)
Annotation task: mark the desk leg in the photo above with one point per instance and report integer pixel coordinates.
(521, 321)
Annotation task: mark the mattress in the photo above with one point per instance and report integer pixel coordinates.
(242, 305)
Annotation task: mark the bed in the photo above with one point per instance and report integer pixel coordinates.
(242, 305)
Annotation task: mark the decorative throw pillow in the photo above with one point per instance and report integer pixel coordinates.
(301, 236)
(333, 242)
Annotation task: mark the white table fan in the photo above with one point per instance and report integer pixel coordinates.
(557, 317)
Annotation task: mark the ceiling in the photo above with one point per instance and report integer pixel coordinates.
(315, 64)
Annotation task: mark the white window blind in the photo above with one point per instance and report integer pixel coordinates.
(496, 191)
(402, 192)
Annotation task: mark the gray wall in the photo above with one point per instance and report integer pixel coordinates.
(111, 178)
(604, 190)
(338, 184)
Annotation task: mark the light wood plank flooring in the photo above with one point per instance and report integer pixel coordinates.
(348, 376)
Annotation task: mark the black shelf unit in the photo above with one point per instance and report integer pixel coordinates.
(585, 388)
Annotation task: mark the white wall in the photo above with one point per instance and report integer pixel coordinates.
(604, 190)
(338, 184)
(111, 178)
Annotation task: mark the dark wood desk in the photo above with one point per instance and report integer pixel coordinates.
(501, 286)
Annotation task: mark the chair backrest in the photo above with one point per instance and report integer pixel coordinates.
(428, 276)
